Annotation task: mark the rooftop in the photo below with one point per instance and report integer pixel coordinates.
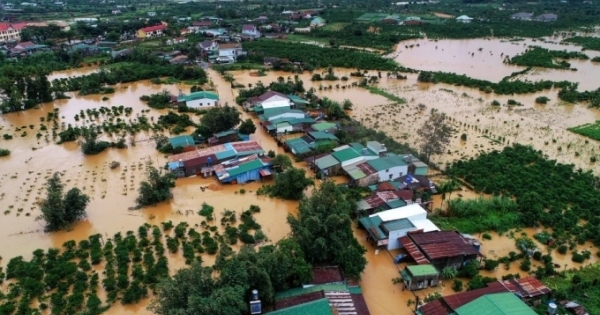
(528, 287)
(345, 154)
(397, 225)
(496, 304)
(181, 141)
(384, 163)
(422, 270)
(326, 162)
(447, 304)
(440, 244)
(323, 126)
(198, 95)
(372, 225)
(319, 135)
(318, 307)
(299, 145)
(154, 28)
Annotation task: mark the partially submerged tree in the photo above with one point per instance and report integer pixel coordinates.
(282, 162)
(156, 189)
(323, 230)
(435, 134)
(58, 210)
(218, 119)
(290, 184)
(247, 127)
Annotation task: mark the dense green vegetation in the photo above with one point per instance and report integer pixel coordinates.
(541, 57)
(323, 230)
(313, 56)
(4, 152)
(356, 34)
(157, 188)
(288, 185)
(586, 42)
(589, 130)
(525, 174)
(218, 119)
(478, 215)
(578, 285)
(60, 210)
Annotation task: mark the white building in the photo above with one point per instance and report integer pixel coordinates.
(250, 30)
(199, 99)
(464, 19)
(385, 228)
(271, 100)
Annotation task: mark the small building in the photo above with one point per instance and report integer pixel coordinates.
(317, 22)
(151, 14)
(185, 142)
(230, 135)
(377, 147)
(496, 304)
(385, 200)
(250, 30)
(281, 113)
(239, 171)
(328, 165)
(392, 19)
(11, 31)
(269, 100)
(287, 125)
(302, 30)
(316, 307)
(386, 228)
(199, 99)
(230, 52)
(464, 19)
(441, 248)
(343, 299)
(262, 19)
(376, 170)
(325, 127)
(523, 16)
(449, 303)
(151, 31)
(529, 289)
(420, 277)
(547, 17)
(209, 46)
(298, 146)
(175, 41)
(415, 166)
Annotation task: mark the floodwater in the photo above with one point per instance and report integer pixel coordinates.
(483, 59)
(112, 192)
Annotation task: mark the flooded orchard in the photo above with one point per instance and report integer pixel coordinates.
(113, 191)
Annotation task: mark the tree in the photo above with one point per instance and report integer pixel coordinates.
(323, 230)
(113, 36)
(347, 104)
(290, 184)
(218, 119)
(247, 127)
(282, 162)
(156, 189)
(435, 134)
(61, 211)
(447, 187)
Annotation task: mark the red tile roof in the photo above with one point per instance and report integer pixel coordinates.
(246, 146)
(4, 26)
(441, 244)
(327, 274)
(154, 28)
(366, 168)
(528, 287)
(202, 23)
(25, 44)
(248, 27)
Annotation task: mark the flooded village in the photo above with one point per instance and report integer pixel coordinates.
(417, 262)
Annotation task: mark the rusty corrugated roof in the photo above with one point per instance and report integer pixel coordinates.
(413, 250)
(440, 244)
(528, 287)
(436, 307)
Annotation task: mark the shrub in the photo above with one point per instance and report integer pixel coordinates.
(525, 264)
(4, 152)
(562, 249)
(457, 285)
(542, 100)
(207, 211)
(491, 264)
(486, 236)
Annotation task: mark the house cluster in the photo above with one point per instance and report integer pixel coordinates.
(529, 16)
(230, 162)
(327, 294)
(499, 297)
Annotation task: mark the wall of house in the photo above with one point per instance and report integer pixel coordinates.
(421, 171)
(203, 102)
(395, 172)
(141, 34)
(393, 242)
(275, 102)
(284, 128)
(368, 180)
(423, 282)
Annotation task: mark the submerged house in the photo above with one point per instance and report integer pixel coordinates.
(441, 248)
(420, 277)
(385, 229)
(201, 161)
(268, 101)
(199, 99)
(226, 136)
(185, 142)
(239, 171)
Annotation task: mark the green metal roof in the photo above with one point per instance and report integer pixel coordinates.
(323, 126)
(317, 20)
(317, 307)
(319, 135)
(299, 145)
(496, 304)
(371, 224)
(345, 154)
(227, 154)
(356, 173)
(387, 162)
(276, 111)
(245, 167)
(292, 121)
(296, 99)
(225, 133)
(315, 288)
(397, 203)
(198, 95)
(397, 225)
(326, 162)
(422, 270)
(181, 141)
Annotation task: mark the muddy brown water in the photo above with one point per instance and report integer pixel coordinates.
(112, 192)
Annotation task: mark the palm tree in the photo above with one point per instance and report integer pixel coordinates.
(448, 187)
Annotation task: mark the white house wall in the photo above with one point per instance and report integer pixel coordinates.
(393, 242)
(384, 175)
(276, 102)
(203, 102)
(284, 128)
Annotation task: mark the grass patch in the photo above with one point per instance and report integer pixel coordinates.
(335, 26)
(306, 39)
(578, 285)
(591, 131)
(389, 96)
(477, 215)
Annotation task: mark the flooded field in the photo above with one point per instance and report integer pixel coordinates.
(112, 192)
